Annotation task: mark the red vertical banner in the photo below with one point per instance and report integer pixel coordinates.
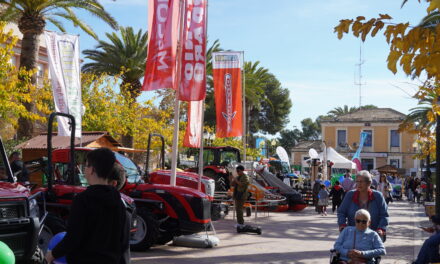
(228, 93)
(163, 31)
(193, 134)
(193, 60)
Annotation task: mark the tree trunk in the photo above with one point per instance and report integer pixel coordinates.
(127, 141)
(131, 88)
(31, 26)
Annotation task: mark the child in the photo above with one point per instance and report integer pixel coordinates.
(323, 199)
(336, 193)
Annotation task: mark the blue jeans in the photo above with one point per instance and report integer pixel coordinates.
(430, 250)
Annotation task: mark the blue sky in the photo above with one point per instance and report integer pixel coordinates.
(294, 39)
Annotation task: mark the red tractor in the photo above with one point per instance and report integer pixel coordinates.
(215, 161)
(162, 211)
(21, 215)
(186, 179)
(60, 191)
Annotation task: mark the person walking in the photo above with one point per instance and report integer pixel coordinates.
(411, 189)
(348, 183)
(323, 200)
(315, 191)
(364, 198)
(97, 229)
(417, 190)
(336, 193)
(385, 188)
(240, 195)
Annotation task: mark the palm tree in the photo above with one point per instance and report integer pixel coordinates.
(418, 117)
(126, 55)
(31, 17)
(338, 111)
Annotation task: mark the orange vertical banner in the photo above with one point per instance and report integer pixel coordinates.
(193, 76)
(193, 134)
(163, 25)
(228, 93)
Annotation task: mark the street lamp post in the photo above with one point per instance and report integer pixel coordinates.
(324, 162)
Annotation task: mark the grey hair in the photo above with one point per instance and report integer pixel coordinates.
(363, 212)
(365, 174)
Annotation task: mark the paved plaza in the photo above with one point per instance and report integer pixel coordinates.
(294, 237)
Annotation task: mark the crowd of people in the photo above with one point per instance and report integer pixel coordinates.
(98, 226)
(362, 216)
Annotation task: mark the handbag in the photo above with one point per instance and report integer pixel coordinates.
(356, 260)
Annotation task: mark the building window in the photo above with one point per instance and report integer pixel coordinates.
(395, 163)
(394, 138)
(342, 138)
(369, 139)
(367, 164)
(40, 70)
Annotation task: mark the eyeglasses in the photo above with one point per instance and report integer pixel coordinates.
(361, 221)
(360, 181)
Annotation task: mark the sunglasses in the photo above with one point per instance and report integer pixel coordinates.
(361, 221)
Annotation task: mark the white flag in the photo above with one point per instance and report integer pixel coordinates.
(63, 52)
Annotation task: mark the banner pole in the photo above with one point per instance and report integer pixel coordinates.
(200, 163)
(244, 108)
(175, 147)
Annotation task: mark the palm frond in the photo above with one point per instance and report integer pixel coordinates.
(56, 23)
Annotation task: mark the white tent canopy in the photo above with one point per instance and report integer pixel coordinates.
(339, 161)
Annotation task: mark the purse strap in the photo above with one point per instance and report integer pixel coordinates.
(354, 240)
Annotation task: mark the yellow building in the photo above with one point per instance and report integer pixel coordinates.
(384, 144)
(42, 60)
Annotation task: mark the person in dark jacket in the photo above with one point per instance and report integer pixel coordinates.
(315, 191)
(97, 229)
(336, 193)
(241, 185)
(429, 253)
(18, 168)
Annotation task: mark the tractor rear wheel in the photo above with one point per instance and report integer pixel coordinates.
(147, 230)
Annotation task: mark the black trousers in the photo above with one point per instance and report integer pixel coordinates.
(335, 205)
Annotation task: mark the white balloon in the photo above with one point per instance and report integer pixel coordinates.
(313, 154)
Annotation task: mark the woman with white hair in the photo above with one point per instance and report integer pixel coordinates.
(359, 244)
(363, 197)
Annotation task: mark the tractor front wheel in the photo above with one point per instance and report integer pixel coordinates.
(147, 230)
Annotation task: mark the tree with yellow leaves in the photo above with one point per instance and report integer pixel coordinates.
(416, 49)
(16, 89)
(108, 110)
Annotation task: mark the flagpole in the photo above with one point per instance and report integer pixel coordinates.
(175, 148)
(244, 107)
(200, 163)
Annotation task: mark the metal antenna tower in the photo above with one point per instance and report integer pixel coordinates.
(359, 82)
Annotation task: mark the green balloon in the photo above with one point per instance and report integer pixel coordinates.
(6, 254)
